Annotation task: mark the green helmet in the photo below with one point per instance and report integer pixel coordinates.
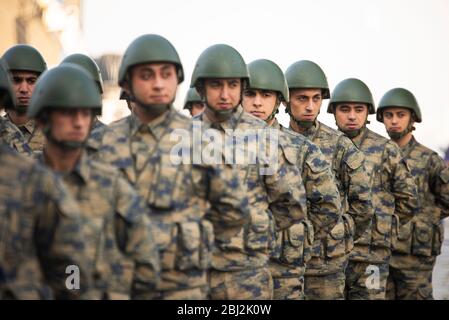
(7, 96)
(88, 64)
(66, 86)
(351, 90)
(23, 57)
(307, 74)
(149, 48)
(266, 75)
(399, 97)
(219, 61)
(191, 97)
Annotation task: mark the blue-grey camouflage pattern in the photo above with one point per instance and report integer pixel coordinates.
(394, 194)
(40, 233)
(32, 135)
(277, 201)
(192, 206)
(417, 243)
(12, 137)
(118, 235)
(352, 179)
(294, 245)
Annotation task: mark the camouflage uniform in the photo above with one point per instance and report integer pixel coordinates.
(39, 233)
(277, 201)
(419, 242)
(323, 212)
(12, 137)
(119, 242)
(325, 273)
(34, 137)
(179, 197)
(395, 201)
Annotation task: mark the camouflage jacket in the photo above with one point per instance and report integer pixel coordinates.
(277, 197)
(33, 136)
(11, 136)
(351, 174)
(180, 194)
(40, 233)
(323, 201)
(118, 235)
(424, 234)
(394, 196)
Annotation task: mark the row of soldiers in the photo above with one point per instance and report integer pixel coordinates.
(344, 214)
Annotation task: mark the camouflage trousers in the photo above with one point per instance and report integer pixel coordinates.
(366, 281)
(325, 287)
(255, 284)
(198, 293)
(410, 277)
(288, 288)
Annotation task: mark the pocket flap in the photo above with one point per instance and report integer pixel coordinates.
(190, 235)
(296, 235)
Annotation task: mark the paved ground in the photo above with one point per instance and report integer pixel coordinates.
(441, 270)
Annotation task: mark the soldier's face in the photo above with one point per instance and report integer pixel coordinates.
(24, 83)
(259, 103)
(396, 119)
(305, 104)
(197, 108)
(223, 94)
(71, 125)
(154, 83)
(351, 116)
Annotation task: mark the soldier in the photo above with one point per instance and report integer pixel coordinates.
(394, 192)
(268, 88)
(193, 102)
(325, 272)
(40, 239)
(419, 241)
(9, 135)
(240, 266)
(26, 64)
(89, 65)
(119, 243)
(180, 194)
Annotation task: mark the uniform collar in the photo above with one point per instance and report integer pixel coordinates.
(81, 170)
(156, 127)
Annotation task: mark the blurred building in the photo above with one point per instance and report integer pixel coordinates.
(44, 24)
(113, 108)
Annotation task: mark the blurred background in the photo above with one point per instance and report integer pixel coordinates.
(385, 43)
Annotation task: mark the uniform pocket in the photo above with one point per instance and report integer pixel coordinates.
(166, 239)
(189, 240)
(293, 245)
(349, 233)
(335, 241)
(257, 236)
(381, 236)
(207, 244)
(422, 238)
(402, 236)
(164, 185)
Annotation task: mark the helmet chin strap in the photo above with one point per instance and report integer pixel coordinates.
(275, 110)
(301, 123)
(21, 109)
(65, 145)
(351, 133)
(395, 136)
(154, 110)
(222, 115)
